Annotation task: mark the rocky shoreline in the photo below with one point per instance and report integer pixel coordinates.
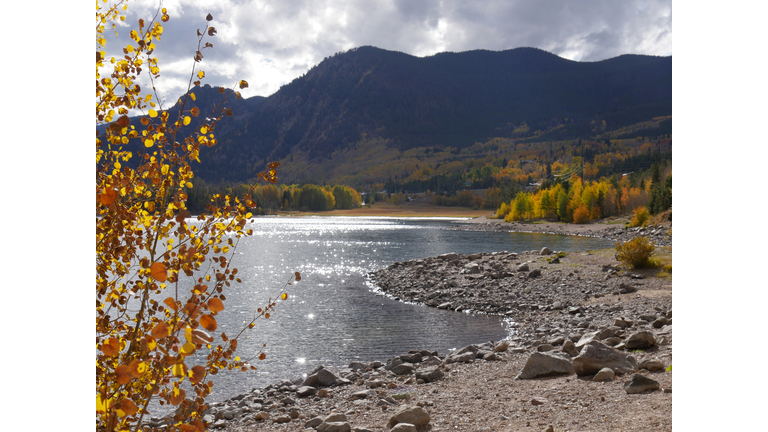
(589, 351)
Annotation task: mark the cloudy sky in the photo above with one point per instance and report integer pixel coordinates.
(269, 43)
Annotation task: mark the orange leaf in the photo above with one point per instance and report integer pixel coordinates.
(111, 347)
(159, 272)
(208, 322)
(201, 337)
(177, 395)
(215, 305)
(123, 374)
(160, 331)
(197, 374)
(108, 196)
(171, 304)
(298, 276)
(137, 368)
(262, 356)
(195, 111)
(126, 407)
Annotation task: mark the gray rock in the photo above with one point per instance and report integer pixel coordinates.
(652, 365)
(322, 377)
(640, 384)
(411, 357)
(460, 358)
(404, 427)
(545, 251)
(446, 305)
(626, 288)
(358, 366)
(660, 322)
(472, 268)
(282, 419)
(402, 369)
(596, 355)
(622, 323)
(364, 394)
(570, 348)
(546, 364)
(501, 346)
(430, 375)
(334, 427)
(534, 273)
(335, 417)
(523, 267)
(219, 424)
(640, 340)
(545, 347)
(313, 423)
(414, 415)
(605, 374)
(305, 391)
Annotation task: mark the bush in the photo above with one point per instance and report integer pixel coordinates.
(636, 253)
(640, 217)
(581, 215)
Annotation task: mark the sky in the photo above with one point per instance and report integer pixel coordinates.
(270, 43)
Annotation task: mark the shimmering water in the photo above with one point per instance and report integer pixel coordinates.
(333, 317)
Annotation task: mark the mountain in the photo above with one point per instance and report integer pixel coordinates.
(370, 95)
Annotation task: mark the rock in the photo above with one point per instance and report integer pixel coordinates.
(622, 323)
(283, 419)
(358, 366)
(534, 273)
(652, 365)
(596, 355)
(305, 391)
(545, 251)
(219, 424)
(313, 423)
(523, 267)
(414, 415)
(446, 305)
(640, 340)
(640, 384)
(364, 394)
(402, 369)
(501, 346)
(546, 364)
(334, 427)
(335, 417)
(472, 268)
(411, 357)
(539, 401)
(570, 348)
(545, 347)
(322, 377)
(404, 427)
(263, 415)
(430, 375)
(605, 374)
(660, 322)
(460, 358)
(626, 288)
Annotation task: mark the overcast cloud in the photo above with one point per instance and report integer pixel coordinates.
(270, 43)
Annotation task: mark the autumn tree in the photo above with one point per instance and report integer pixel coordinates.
(161, 275)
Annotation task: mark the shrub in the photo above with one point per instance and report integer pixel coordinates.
(640, 217)
(636, 253)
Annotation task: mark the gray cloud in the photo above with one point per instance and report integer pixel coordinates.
(270, 43)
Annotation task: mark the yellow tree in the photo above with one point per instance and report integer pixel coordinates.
(148, 324)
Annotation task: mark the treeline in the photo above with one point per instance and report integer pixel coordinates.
(268, 199)
(580, 202)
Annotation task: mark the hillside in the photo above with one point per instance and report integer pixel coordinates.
(368, 107)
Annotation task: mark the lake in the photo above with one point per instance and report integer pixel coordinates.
(333, 315)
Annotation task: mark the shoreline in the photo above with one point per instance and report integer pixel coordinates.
(583, 295)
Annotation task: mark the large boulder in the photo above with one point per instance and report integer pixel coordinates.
(542, 364)
(597, 355)
(322, 377)
(410, 414)
(429, 375)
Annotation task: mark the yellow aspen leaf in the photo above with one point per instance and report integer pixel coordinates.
(284, 296)
(126, 407)
(159, 272)
(122, 374)
(149, 142)
(187, 349)
(151, 343)
(187, 119)
(161, 330)
(102, 405)
(215, 304)
(208, 322)
(195, 111)
(197, 373)
(200, 74)
(152, 113)
(179, 370)
(203, 129)
(192, 95)
(111, 347)
(243, 84)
